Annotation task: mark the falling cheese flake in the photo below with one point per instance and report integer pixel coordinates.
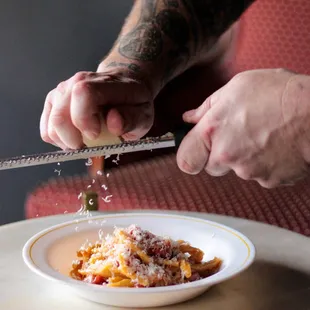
(89, 162)
(81, 210)
(80, 195)
(99, 172)
(108, 174)
(100, 234)
(58, 171)
(107, 198)
(89, 186)
(104, 187)
(116, 160)
(103, 222)
(93, 181)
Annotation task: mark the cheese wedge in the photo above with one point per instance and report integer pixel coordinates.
(105, 138)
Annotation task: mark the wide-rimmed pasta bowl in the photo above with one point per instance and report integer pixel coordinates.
(125, 267)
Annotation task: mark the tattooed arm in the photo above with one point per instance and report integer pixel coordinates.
(163, 38)
(160, 40)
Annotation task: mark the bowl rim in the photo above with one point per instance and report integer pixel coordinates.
(206, 282)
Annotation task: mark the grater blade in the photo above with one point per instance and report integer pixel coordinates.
(61, 156)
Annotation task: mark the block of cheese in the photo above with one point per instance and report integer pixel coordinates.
(105, 138)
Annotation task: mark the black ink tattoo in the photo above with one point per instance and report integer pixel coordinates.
(130, 66)
(174, 30)
(143, 43)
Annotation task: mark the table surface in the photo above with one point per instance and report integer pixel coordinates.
(279, 278)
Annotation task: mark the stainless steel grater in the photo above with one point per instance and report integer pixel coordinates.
(61, 156)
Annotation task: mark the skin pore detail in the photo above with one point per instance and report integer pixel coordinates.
(174, 34)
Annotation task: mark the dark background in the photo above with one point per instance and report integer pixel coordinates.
(43, 43)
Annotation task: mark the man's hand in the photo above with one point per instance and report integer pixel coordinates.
(256, 125)
(160, 39)
(76, 106)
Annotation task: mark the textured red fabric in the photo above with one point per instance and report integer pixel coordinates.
(273, 34)
(159, 184)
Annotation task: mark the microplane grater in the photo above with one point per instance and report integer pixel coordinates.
(85, 153)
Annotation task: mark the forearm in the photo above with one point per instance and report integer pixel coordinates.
(164, 38)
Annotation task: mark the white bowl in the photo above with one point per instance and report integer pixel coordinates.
(50, 253)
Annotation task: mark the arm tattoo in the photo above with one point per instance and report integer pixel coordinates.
(145, 41)
(131, 66)
(172, 31)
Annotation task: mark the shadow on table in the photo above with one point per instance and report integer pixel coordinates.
(264, 286)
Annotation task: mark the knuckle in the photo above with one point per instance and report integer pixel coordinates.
(45, 137)
(61, 87)
(225, 158)
(80, 88)
(49, 97)
(244, 173)
(239, 76)
(80, 76)
(52, 134)
(82, 122)
(241, 79)
(281, 70)
(207, 132)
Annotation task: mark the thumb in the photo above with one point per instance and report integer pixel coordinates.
(130, 121)
(193, 153)
(194, 116)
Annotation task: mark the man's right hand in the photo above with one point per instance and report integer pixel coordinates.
(76, 106)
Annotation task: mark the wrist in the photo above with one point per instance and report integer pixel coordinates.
(142, 73)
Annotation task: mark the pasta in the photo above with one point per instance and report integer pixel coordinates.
(133, 257)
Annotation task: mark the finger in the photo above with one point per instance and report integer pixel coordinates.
(194, 150)
(278, 178)
(89, 97)
(220, 161)
(56, 140)
(60, 119)
(194, 116)
(216, 170)
(84, 110)
(45, 117)
(130, 121)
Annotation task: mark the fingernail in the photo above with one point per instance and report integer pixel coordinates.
(91, 135)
